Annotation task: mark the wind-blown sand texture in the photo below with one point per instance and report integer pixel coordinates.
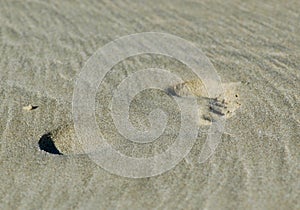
(44, 45)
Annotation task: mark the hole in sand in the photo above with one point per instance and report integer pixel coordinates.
(61, 141)
(46, 143)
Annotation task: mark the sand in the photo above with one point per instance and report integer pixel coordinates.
(44, 46)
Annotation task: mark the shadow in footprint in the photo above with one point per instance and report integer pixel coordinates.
(170, 91)
(46, 143)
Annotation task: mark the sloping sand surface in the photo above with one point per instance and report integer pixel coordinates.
(45, 44)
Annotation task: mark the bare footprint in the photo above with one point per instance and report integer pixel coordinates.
(211, 108)
(63, 139)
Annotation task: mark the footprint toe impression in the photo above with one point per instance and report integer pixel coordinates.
(211, 108)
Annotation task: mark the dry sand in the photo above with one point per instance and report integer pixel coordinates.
(45, 44)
